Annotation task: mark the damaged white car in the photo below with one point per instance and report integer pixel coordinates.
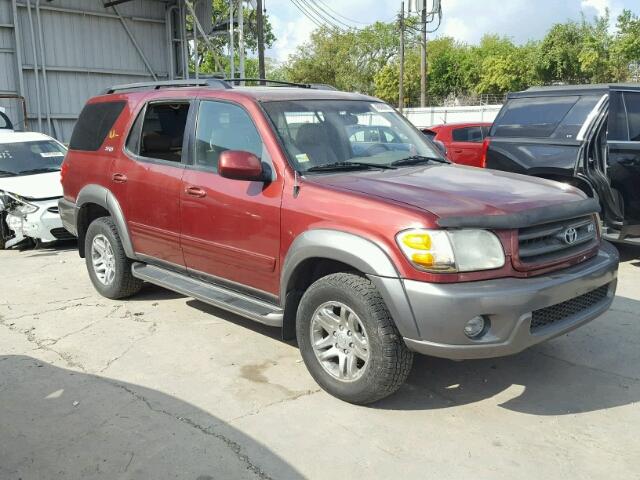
(30, 188)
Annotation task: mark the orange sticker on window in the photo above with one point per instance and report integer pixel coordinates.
(113, 134)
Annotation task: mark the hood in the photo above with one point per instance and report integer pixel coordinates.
(34, 187)
(455, 191)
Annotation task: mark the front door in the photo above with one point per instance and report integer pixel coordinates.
(230, 228)
(149, 175)
(466, 145)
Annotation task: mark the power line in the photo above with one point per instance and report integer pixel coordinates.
(322, 11)
(323, 16)
(306, 14)
(339, 14)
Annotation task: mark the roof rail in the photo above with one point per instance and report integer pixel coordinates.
(266, 80)
(204, 82)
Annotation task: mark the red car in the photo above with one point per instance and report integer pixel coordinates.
(263, 202)
(462, 142)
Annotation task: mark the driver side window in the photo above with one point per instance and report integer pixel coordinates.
(224, 126)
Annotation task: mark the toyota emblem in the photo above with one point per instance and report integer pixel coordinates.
(570, 236)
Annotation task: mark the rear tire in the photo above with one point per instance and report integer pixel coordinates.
(341, 317)
(108, 266)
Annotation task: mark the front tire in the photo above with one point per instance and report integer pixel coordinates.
(108, 266)
(349, 341)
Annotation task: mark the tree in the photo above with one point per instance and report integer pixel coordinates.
(220, 43)
(559, 59)
(346, 59)
(626, 46)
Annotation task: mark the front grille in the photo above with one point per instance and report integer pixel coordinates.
(554, 241)
(61, 234)
(555, 313)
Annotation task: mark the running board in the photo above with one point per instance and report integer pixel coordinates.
(215, 295)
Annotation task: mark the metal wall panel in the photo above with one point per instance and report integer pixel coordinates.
(85, 48)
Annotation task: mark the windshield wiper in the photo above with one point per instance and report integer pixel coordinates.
(417, 160)
(325, 167)
(40, 170)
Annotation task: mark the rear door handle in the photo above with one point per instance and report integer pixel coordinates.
(195, 192)
(119, 178)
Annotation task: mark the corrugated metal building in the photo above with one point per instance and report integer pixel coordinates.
(58, 53)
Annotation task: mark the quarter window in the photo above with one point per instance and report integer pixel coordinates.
(224, 126)
(93, 125)
(532, 117)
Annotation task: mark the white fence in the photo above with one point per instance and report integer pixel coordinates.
(429, 116)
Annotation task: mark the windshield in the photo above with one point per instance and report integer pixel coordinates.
(320, 133)
(30, 157)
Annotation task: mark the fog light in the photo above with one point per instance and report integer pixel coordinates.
(475, 327)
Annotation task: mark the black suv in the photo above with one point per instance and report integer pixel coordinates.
(587, 136)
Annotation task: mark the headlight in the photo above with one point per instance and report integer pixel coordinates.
(444, 251)
(19, 207)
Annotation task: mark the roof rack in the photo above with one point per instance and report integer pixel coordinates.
(212, 82)
(203, 82)
(265, 80)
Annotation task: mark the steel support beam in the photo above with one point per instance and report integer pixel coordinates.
(100, 71)
(135, 44)
(85, 13)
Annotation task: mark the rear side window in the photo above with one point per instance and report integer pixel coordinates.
(532, 117)
(94, 123)
(161, 132)
(624, 117)
(632, 102)
(468, 134)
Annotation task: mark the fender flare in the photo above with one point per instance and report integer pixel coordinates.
(363, 255)
(102, 196)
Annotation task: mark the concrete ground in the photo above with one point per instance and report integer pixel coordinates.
(163, 386)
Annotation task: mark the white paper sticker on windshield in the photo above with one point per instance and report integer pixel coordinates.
(382, 107)
(51, 154)
(302, 158)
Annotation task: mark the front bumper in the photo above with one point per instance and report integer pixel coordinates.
(44, 224)
(442, 310)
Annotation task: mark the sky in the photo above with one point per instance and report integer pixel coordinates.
(465, 20)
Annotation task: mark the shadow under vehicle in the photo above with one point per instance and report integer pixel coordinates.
(587, 136)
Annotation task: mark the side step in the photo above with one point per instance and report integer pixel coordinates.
(215, 295)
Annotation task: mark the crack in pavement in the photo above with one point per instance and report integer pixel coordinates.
(41, 344)
(260, 409)
(235, 447)
(59, 309)
(152, 331)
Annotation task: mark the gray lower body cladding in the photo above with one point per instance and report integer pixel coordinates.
(564, 300)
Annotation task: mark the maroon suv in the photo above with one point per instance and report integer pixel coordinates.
(261, 201)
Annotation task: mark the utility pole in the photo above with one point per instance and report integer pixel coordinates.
(260, 21)
(423, 55)
(401, 79)
(232, 57)
(241, 36)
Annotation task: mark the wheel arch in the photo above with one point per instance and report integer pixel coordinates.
(95, 201)
(317, 253)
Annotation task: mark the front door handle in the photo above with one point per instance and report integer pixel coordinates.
(195, 192)
(119, 178)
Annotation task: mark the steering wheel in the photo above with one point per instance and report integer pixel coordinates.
(375, 149)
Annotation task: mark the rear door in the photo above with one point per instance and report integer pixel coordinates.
(466, 145)
(147, 179)
(623, 157)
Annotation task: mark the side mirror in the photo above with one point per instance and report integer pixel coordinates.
(240, 165)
